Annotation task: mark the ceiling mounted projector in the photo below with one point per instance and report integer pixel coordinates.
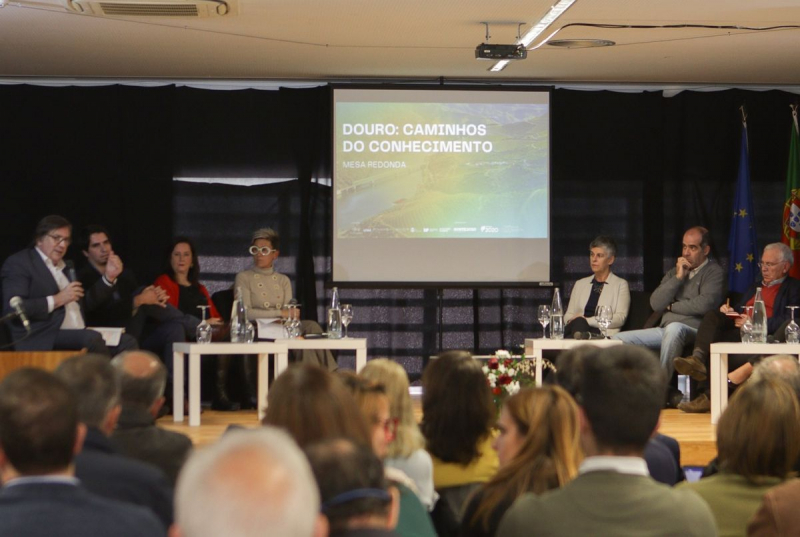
(487, 51)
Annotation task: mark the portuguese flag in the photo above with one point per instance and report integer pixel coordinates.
(791, 208)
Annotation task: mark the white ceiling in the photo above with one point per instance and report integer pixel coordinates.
(408, 39)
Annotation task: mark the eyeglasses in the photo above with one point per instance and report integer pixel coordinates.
(264, 250)
(768, 265)
(60, 240)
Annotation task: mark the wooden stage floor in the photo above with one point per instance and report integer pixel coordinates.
(695, 433)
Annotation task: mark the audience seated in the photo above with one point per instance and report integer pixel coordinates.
(758, 438)
(99, 468)
(374, 405)
(695, 286)
(357, 499)
(661, 453)
(620, 404)
(539, 449)
(778, 290)
(251, 483)
(142, 381)
(39, 436)
(604, 288)
(778, 514)
(407, 451)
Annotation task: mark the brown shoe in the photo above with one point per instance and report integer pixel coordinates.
(691, 366)
(699, 405)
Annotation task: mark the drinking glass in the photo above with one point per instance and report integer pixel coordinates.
(204, 330)
(792, 329)
(603, 314)
(347, 316)
(747, 327)
(292, 322)
(544, 318)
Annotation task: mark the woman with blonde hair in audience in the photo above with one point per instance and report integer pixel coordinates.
(374, 404)
(407, 450)
(539, 449)
(758, 439)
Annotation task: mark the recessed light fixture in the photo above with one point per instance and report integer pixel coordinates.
(581, 43)
(549, 18)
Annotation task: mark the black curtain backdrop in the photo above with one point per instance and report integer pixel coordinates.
(638, 166)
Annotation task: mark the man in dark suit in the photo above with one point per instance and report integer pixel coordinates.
(621, 399)
(100, 469)
(39, 435)
(142, 378)
(50, 295)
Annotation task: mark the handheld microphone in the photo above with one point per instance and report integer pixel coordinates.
(16, 303)
(70, 267)
(586, 335)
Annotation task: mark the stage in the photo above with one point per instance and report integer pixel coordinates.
(695, 433)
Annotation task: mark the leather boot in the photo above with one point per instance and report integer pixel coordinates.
(221, 400)
(250, 374)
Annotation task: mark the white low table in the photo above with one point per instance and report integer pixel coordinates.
(351, 343)
(197, 350)
(535, 348)
(719, 367)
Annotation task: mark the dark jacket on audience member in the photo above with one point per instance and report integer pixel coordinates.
(45, 509)
(663, 456)
(110, 475)
(137, 436)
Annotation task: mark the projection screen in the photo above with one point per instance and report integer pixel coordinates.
(441, 186)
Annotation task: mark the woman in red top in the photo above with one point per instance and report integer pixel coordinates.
(181, 281)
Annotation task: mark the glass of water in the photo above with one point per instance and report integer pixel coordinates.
(792, 329)
(204, 330)
(603, 314)
(747, 327)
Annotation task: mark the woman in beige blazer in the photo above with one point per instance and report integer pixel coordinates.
(607, 288)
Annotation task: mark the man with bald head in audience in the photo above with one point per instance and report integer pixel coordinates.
(251, 483)
(613, 494)
(101, 469)
(142, 380)
(39, 436)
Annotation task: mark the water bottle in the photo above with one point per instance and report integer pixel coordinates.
(556, 317)
(759, 318)
(335, 317)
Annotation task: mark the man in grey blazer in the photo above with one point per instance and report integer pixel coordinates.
(695, 286)
(39, 436)
(613, 494)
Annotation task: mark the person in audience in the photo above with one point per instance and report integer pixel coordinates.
(778, 290)
(662, 453)
(250, 483)
(374, 405)
(538, 448)
(620, 406)
(39, 437)
(457, 417)
(266, 294)
(778, 514)
(357, 499)
(99, 468)
(758, 439)
(129, 306)
(603, 288)
(313, 404)
(51, 299)
(142, 381)
(407, 451)
(687, 292)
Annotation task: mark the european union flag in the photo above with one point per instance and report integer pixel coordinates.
(742, 266)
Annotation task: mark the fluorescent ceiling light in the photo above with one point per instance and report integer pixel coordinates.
(549, 18)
